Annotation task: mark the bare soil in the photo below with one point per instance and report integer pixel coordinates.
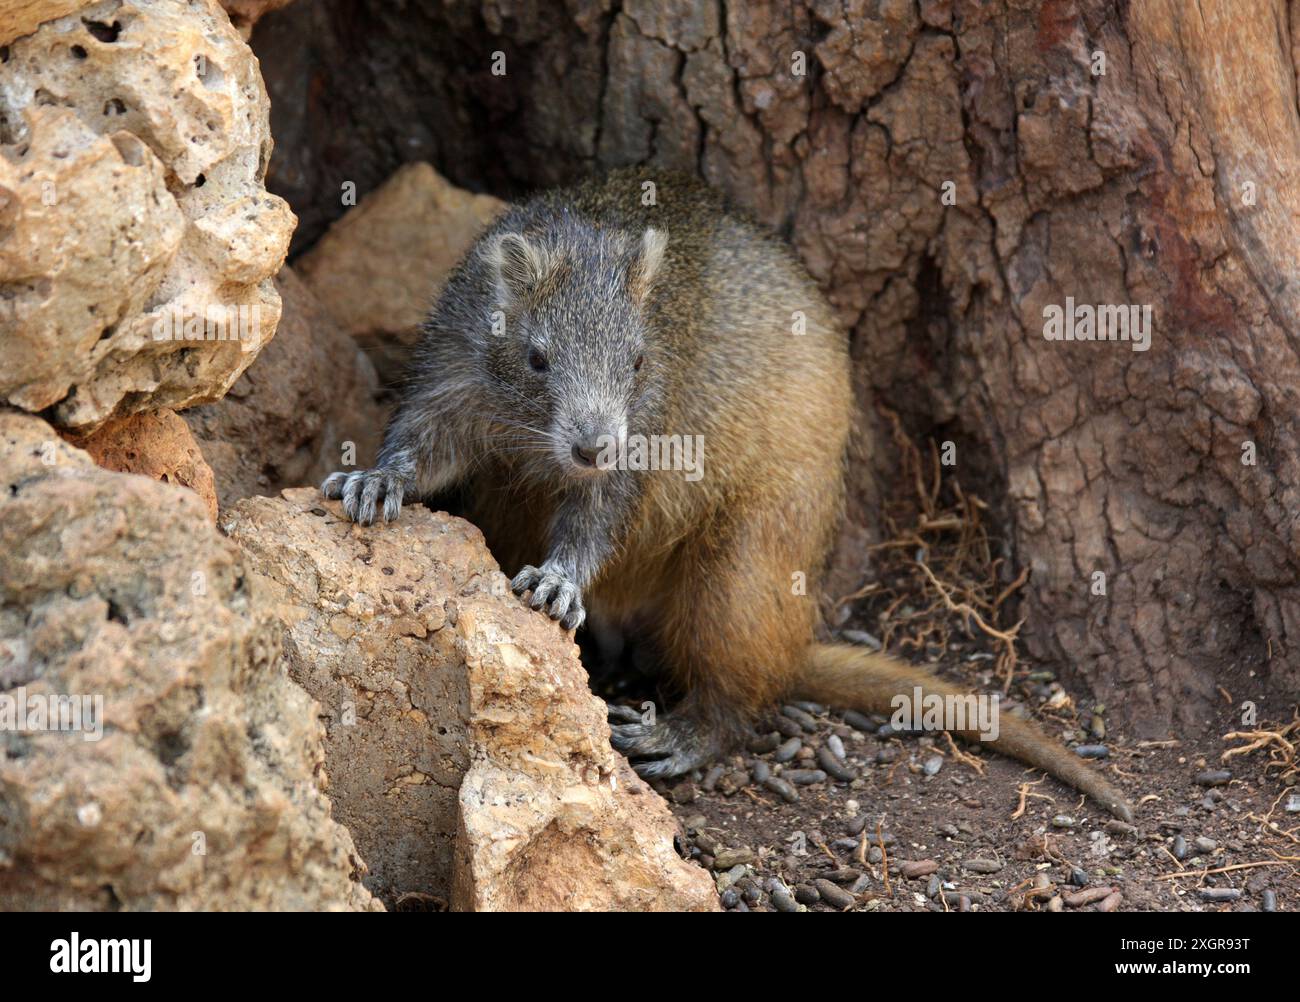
(992, 850)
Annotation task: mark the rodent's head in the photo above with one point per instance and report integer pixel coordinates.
(574, 359)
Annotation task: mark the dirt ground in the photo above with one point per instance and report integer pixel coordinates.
(956, 840)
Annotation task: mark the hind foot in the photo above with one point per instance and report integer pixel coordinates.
(674, 744)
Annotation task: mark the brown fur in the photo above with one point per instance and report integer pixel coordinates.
(707, 568)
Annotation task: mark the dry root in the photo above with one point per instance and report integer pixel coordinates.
(936, 569)
(1280, 744)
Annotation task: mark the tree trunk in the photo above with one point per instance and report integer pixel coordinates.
(947, 170)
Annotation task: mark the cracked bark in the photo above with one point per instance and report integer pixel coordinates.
(1115, 188)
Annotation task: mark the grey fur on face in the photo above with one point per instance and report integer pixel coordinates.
(537, 351)
(572, 350)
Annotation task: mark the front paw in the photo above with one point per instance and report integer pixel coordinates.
(362, 490)
(553, 590)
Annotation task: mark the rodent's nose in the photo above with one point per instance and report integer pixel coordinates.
(586, 451)
(589, 448)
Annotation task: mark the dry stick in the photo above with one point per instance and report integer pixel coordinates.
(1011, 588)
(862, 592)
(1281, 861)
(899, 543)
(1026, 792)
(961, 756)
(884, 856)
(1024, 802)
(1273, 806)
(947, 522)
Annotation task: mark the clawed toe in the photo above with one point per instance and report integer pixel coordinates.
(676, 764)
(669, 747)
(332, 488)
(632, 739)
(553, 593)
(624, 714)
(525, 579)
(362, 491)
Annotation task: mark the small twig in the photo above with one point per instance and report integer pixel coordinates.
(862, 592)
(884, 856)
(1011, 588)
(1025, 793)
(962, 756)
(1281, 861)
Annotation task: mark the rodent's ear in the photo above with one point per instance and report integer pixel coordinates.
(647, 264)
(520, 267)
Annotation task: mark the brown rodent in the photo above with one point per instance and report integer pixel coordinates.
(613, 311)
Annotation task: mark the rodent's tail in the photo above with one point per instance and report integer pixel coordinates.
(840, 675)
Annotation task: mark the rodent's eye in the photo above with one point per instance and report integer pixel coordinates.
(636, 366)
(537, 360)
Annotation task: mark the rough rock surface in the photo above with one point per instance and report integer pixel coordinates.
(135, 232)
(363, 614)
(551, 817)
(308, 407)
(203, 790)
(155, 444)
(22, 17)
(381, 265)
(411, 627)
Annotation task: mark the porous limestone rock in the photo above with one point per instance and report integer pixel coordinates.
(465, 751)
(309, 406)
(379, 268)
(22, 17)
(551, 817)
(155, 444)
(364, 617)
(194, 778)
(137, 242)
